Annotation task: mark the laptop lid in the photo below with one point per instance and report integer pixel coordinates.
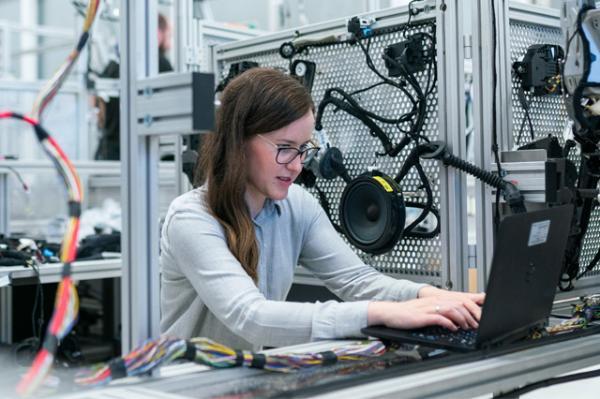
(526, 267)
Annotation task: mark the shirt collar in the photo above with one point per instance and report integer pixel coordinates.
(269, 210)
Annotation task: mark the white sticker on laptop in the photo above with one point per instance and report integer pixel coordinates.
(539, 233)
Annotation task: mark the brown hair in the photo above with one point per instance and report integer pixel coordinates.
(260, 100)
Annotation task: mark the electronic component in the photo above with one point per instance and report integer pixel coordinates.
(305, 72)
(287, 50)
(360, 27)
(235, 69)
(539, 70)
(372, 212)
(412, 54)
(328, 164)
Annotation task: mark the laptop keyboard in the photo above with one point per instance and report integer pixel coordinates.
(441, 334)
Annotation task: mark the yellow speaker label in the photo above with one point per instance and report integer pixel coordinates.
(386, 186)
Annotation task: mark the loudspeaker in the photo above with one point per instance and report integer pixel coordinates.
(372, 212)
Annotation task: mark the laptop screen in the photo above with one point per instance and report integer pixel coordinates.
(526, 267)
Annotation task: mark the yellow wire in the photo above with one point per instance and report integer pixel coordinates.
(89, 17)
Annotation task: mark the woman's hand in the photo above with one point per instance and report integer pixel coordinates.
(429, 291)
(433, 307)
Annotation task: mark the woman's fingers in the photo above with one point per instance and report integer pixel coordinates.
(474, 309)
(478, 298)
(440, 320)
(466, 314)
(471, 320)
(459, 317)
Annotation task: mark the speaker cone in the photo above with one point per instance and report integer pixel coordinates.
(372, 212)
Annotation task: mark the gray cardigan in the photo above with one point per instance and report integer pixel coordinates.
(206, 292)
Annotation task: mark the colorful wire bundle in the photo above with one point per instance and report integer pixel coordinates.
(67, 303)
(51, 88)
(155, 353)
(583, 313)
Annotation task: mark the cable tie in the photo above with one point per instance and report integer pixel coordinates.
(239, 358)
(66, 270)
(51, 343)
(74, 209)
(328, 358)
(40, 132)
(258, 361)
(82, 41)
(117, 368)
(190, 351)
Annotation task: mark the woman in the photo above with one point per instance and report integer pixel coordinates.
(229, 247)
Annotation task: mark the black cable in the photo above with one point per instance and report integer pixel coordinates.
(547, 383)
(560, 316)
(494, 121)
(37, 325)
(415, 118)
(417, 234)
(419, 105)
(526, 105)
(352, 93)
(327, 208)
(413, 161)
(18, 176)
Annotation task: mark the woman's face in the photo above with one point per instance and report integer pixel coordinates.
(266, 177)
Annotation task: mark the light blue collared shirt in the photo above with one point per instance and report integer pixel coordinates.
(206, 292)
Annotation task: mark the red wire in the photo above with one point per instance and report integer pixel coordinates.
(71, 255)
(33, 371)
(59, 315)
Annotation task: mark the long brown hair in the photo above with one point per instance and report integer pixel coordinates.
(260, 100)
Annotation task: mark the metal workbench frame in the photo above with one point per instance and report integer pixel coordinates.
(496, 374)
(139, 166)
(463, 380)
(49, 273)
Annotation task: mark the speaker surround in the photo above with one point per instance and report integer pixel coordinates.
(372, 212)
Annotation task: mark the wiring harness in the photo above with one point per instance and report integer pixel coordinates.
(419, 46)
(156, 353)
(53, 85)
(583, 313)
(66, 305)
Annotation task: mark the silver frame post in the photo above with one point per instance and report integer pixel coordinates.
(139, 163)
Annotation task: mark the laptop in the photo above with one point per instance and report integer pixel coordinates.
(526, 267)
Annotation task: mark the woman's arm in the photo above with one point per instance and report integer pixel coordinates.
(330, 259)
(333, 261)
(196, 245)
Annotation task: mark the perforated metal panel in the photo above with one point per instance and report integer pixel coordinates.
(548, 116)
(343, 66)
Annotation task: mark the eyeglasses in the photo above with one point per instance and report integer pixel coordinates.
(286, 155)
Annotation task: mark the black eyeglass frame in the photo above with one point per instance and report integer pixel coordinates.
(304, 154)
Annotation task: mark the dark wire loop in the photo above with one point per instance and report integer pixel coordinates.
(415, 117)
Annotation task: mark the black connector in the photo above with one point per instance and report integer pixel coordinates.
(540, 69)
(234, 70)
(360, 27)
(414, 54)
